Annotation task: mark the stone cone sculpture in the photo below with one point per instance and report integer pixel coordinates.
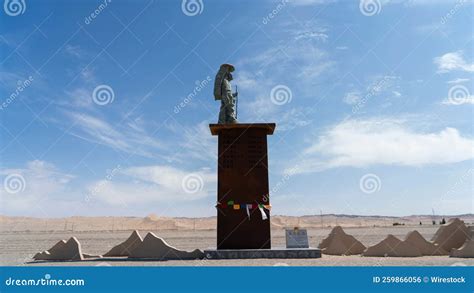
(340, 243)
(467, 249)
(70, 250)
(414, 238)
(392, 246)
(451, 235)
(156, 248)
(125, 248)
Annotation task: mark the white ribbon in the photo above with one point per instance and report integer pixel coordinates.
(264, 216)
(248, 212)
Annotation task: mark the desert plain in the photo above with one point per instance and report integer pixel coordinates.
(22, 237)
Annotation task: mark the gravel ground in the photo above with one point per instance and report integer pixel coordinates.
(17, 248)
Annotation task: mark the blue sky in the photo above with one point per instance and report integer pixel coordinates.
(106, 105)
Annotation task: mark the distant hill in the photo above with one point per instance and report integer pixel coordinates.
(154, 222)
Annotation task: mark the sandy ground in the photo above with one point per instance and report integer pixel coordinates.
(17, 247)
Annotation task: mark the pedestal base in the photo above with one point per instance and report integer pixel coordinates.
(243, 209)
(263, 253)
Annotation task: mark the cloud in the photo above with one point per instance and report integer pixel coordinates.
(310, 2)
(397, 94)
(79, 97)
(38, 182)
(380, 90)
(458, 80)
(453, 61)
(198, 143)
(124, 137)
(293, 47)
(352, 98)
(34, 189)
(136, 186)
(312, 35)
(75, 51)
(409, 3)
(387, 141)
(456, 102)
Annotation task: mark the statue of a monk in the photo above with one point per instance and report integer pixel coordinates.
(223, 92)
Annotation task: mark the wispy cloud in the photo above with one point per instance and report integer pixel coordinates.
(453, 61)
(468, 100)
(78, 97)
(352, 97)
(458, 80)
(387, 141)
(40, 185)
(123, 137)
(380, 90)
(197, 143)
(310, 2)
(158, 183)
(75, 51)
(37, 185)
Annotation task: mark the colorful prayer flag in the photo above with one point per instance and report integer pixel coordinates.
(264, 216)
(236, 206)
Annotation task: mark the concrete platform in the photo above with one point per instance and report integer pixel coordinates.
(263, 253)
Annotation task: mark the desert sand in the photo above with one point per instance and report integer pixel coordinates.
(21, 238)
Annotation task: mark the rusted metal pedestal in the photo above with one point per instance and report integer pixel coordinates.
(243, 192)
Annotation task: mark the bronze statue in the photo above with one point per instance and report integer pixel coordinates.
(223, 92)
